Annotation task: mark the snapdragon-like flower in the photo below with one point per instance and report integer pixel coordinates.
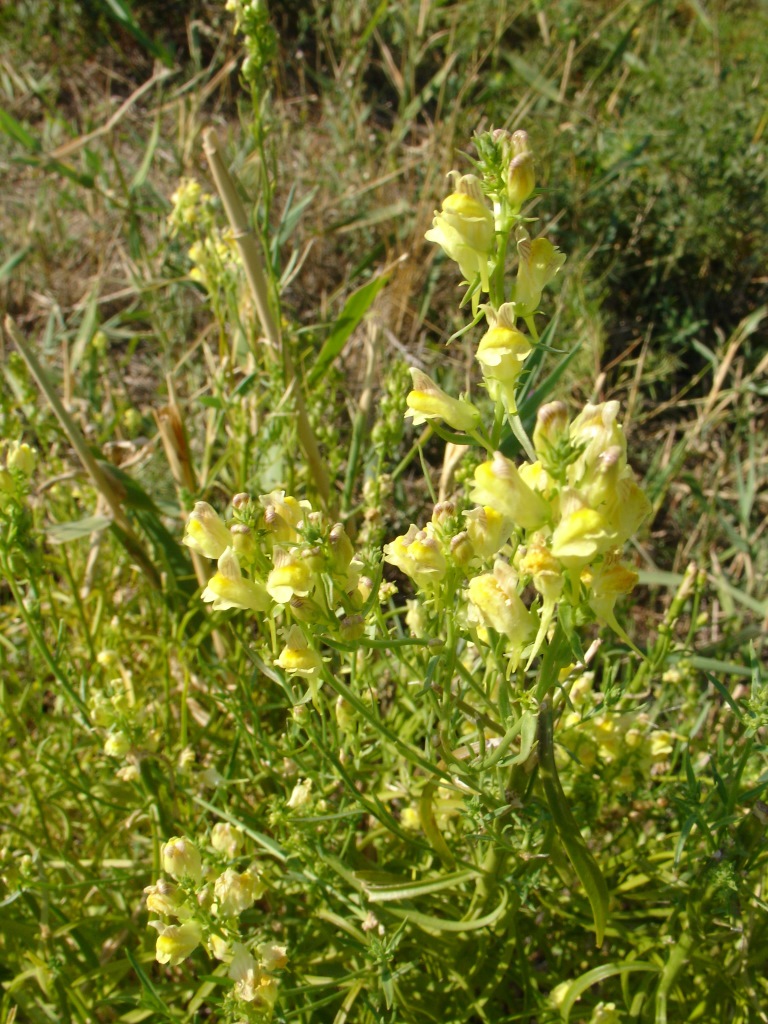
(582, 533)
(205, 532)
(607, 582)
(429, 402)
(488, 530)
(502, 351)
(290, 576)
(496, 603)
(21, 458)
(539, 262)
(298, 658)
(228, 588)
(252, 984)
(419, 555)
(465, 230)
(236, 892)
(175, 942)
(498, 483)
(282, 515)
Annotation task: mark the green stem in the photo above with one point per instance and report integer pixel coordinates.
(257, 282)
(675, 961)
(39, 642)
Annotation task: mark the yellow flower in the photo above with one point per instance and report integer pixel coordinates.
(500, 485)
(283, 514)
(596, 429)
(551, 426)
(227, 838)
(205, 532)
(181, 859)
(252, 984)
(228, 588)
(290, 577)
(607, 583)
(272, 956)
(539, 263)
(494, 597)
(580, 536)
(429, 402)
(501, 353)
(419, 555)
(297, 657)
(163, 898)
(21, 458)
(176, 941)
(465, 230)
(300, 796)
(521, 180)
(488, 530)
(236, 892)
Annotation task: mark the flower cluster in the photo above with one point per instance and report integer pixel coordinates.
(280, 558)
(624, 744)
(557, 524)
(199, 903)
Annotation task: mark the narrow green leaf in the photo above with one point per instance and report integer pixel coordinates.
(601, 973)
(17, 131)
(584, 864)
(64, 533)
(12, 262)
(410, 890)
(355, 308)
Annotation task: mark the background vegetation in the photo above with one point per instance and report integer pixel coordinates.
(649, 122)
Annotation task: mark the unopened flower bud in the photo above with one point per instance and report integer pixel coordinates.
(181, 859)
(352, 627)
(342, 549)
(345, 715)
(521, 179)
(205, 532)
(21, 458)
(551, 427)
(227, 838)
(243, 541)
(462, 551)
(241, 501)
(442, 511)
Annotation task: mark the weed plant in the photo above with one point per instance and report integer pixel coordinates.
(386, 738)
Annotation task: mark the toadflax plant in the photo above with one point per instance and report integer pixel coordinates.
(431, 703)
